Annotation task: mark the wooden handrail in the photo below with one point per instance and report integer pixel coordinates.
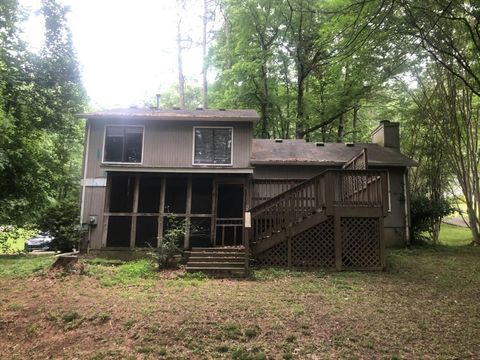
(292, 189)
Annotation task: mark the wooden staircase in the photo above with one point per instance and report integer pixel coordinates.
(218, 261)
(340, 195)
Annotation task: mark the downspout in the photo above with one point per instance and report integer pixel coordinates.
(85, 166)
(407, 206)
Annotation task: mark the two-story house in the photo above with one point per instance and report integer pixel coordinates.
(275, 197)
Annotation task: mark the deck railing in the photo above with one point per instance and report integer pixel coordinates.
(324, 192)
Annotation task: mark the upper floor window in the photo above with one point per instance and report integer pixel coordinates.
(212, 146)
(123, 144)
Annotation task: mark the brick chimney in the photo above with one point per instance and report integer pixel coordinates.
(387, 134)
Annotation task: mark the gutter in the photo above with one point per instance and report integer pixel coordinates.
(85, 165)
(407, 206)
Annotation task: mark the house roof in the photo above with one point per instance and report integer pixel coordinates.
(300, 152)
(245, 115)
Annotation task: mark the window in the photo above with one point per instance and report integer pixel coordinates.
(212, 146)
(123, 144)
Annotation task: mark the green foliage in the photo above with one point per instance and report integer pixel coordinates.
(169, 247)
(426, 215)
(12, 239)
(40, 139)
(60, 220)
(308, 67)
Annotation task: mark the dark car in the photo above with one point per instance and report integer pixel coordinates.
(39, 242)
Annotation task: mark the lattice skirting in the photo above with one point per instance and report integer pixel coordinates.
(275, 256)
(360, 243)
(315, 247)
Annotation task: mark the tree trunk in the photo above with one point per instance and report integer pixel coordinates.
(341, 128)
(300, 126)
(264, 104)
(181, 78)
(65, 262)
(354, 123)
(204, 54)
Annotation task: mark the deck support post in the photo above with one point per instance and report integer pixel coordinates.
(247, 237)
(136, 190)
(161, 210)
(338, 242)
(188, 212)
(289, 251)
(381, 240)
(289, 245)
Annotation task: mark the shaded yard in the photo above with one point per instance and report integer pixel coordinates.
(425, 306)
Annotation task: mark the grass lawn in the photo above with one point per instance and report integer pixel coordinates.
(455, 235)
(424, 306)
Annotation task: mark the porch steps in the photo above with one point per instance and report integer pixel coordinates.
(217, 261)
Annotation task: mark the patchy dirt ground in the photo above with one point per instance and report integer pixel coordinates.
(425, 306)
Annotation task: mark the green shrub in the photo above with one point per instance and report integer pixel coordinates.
(169, 246)
(426, 217)
(61, 220)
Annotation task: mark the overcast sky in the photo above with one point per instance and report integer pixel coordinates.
(126, 49)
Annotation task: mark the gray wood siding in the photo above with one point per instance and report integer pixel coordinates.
(169, 144)
(94, 204)
(166, 144)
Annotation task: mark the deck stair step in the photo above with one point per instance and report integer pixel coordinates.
(220, 261)
(217, 264)
(216, 259)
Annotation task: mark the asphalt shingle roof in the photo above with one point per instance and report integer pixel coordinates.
(300, 152)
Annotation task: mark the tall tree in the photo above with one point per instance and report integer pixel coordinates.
(442, 29)
(59, 86)
(453, 111)
(41, 142)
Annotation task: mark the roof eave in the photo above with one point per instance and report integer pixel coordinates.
(328, 163)
(166, 118)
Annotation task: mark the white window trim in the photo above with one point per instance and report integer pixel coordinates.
(122, 162)
(193, 145)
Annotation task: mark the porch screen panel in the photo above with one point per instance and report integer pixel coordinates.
(149, 194)
(202, 196)
(119, 230)
(121, 193)
(200, 232)
(146, 231)
(213, 146)
(176, 195)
